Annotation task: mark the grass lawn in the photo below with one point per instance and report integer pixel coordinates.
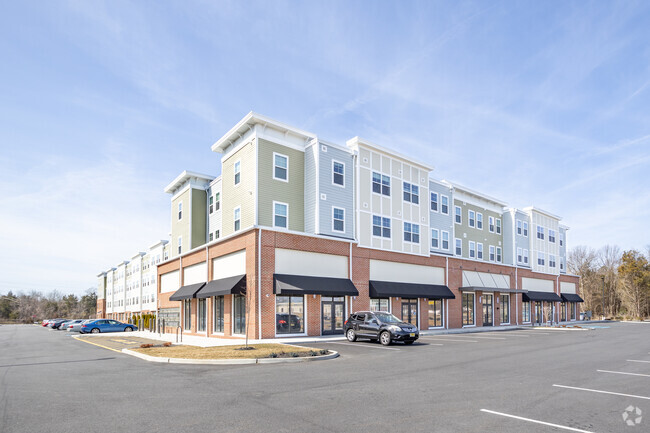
(228, 352)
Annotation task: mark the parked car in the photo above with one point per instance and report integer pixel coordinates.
(379, 325)
(65, 325)
(56, 323)
(106, 325)
(76, 327)
(45, 322)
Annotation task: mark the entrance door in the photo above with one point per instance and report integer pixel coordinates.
(332, 311)
(410, 311)
(539, 317)
(487, 309)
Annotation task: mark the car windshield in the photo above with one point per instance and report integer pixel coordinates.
(387, 318)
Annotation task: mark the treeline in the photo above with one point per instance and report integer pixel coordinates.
(28, 308)
(616, 281)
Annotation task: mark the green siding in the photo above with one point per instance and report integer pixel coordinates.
(243, 194)
(479, 236)
(199, 215)
(270, 189)
(180, 228)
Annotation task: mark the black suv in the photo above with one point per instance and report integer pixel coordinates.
(379, 325)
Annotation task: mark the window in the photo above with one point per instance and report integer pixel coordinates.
(479, 251)
(280, 167)
(445, 240)
(338, 219)
(187, 314)
(237, 172)
(412, 233)
(551, 261)
(525, 256)
(572, 307)
(289, 314)
(540, 258)
(561, 263)
(434, 202)
(499, 254)
(518, 227)
(498, 226)
(411, 193)
(540, 232)
(280, 215)
(492, 253)
(459, 215)
(211, 237)
(211, 204)
(435, 313)
(505, 309)
(380, 184)
(435, 238)
(201, 318)
(379, 304)
(217, 314)
(380, 226)
(180, 244)
(444, 209)
(459, 247)
(468, 309)
(561, 239)
(479, 221)
(472, 249)
(237, 218)
(563, 311)
(239, 314)
(491, 224)
(216, 234)
(217, 201)
(471, 216)
(180, 210)
(338, 171)
(551, 236)
(525, 311)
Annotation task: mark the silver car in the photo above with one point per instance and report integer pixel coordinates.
(75, 325)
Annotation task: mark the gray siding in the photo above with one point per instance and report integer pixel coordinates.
(508, 238)
(438, 220)
(331, 195)
(522, 241)
(310, 188)
(214, 218)
(562, 250)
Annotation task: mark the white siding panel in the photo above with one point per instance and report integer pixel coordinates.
(169, 282)
(195, 274)
(567, 287)
(537, 285)
(381, 270)
(229, 265)
(312, 264)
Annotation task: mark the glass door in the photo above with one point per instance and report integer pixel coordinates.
(487, 309)
(332, 314)
(410, 311)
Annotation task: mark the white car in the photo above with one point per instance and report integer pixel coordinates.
(75, 326)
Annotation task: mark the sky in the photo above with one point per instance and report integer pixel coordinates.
(102, 104)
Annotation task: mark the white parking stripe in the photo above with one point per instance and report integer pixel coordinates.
(450, 339)
(535, 421)
(370, 345)
(466, 336)
(637, 360)
(623, 372)
(603, 392)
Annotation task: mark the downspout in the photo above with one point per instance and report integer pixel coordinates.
(207, 278)
(447, 281)
(558, 293)
(350, 275)
(259, 284)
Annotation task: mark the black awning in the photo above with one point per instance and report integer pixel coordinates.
(571, 297)
(226, 286)
(489, 289)
(186, 292)
(285, 284)
(541, 296)
(385, 289)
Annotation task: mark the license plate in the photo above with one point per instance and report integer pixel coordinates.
(412, 334)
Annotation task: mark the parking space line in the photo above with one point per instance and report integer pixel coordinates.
(637, 360)
(563, 427)
(366, 345)
(96, 344)
(471, 337)
(602, 392)
(623, 372)
(449, 339)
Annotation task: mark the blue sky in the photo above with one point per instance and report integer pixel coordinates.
(104, 103)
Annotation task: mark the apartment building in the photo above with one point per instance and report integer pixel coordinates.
(298, 232)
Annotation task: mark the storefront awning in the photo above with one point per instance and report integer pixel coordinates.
(386, 289)
(285, 284)
(541, 297)
(571, 297)
(226, 286)
(186, 292)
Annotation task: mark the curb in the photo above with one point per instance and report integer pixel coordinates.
(150, 358)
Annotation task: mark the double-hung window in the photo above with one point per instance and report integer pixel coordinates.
(380, 226)
(471, 216)
(411, 193)
(491, 224)
(479, 221)
(338, 173)
(459, 247)
(472, 249)
(541, 258)
(180, 244)
(280, 215)
(479, 251)
(180, 210)
(434, 202)
(237, 218)
(458, 215)
(237, 172)
(492, 253)
(435, 238)
(211, 203)
(280, 167)
(411, 233)
(338, 219)
(498, 226)
(444, 208)
(551, 236)
(525, 256)
(540, 232)
(380, 184)
(525, 229)
(445, 240)
(217, 201)
(499, 254)
(561, 240)
(551, 261)
(518, 227)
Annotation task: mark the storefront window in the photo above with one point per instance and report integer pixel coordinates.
(563, 311)
(379, 304)
(201, 315)
(505, 308)
(187, 314)
(239, 314)
(289, 314)
(435, 313)
(525, 311)
(217, 314)
(573, 310)
(468, 309)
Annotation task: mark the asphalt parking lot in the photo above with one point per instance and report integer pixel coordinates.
(515, 381)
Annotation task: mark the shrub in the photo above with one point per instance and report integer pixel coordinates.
(146, 346)
(313, 353)
(323, 351)
(167, 344)
(273, 355)
(293, 355)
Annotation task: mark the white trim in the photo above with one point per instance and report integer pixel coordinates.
(274, 214)
(343, 164)
(341, 209)
(274, 166)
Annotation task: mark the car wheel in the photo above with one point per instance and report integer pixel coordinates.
(128, 329)
(95, 331)
(409, 342)
(352, 336)
(384, 338)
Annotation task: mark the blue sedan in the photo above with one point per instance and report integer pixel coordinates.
(106, 325)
